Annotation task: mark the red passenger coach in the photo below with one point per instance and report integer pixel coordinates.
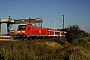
(56, 33)
(29, 31)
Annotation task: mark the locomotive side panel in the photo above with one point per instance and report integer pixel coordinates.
(37, 31)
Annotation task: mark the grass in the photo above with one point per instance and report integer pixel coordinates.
(45, 50)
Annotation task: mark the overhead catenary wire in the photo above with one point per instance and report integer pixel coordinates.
(33, 9)
(19, 8)
(24, 11)
(10, 12)
(5, 11)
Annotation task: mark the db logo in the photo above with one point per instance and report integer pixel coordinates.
(39, 31)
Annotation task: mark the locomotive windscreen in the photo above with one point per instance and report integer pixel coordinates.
(21, 26)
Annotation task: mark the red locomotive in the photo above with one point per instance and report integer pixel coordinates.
(29, 31)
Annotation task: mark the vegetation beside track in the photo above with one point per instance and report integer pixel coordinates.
(71, 47)
(44, 50)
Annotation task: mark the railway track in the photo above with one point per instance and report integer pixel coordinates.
(44, 40)
(6, 38)
(10, 38)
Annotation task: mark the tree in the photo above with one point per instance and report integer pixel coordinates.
(74, 32)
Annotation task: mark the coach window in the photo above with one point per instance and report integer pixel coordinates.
(62, 33)
(52, 32)
(57, 33)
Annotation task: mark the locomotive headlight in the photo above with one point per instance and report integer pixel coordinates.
(18, 31)
(23, 31)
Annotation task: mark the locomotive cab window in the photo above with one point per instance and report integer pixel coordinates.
(21, 26)
(57, 32)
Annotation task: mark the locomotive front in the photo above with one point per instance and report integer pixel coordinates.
(21, 31)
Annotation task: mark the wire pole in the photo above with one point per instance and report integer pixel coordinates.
(63, 21)
(54, 23)
(29, 20)
(54, 27)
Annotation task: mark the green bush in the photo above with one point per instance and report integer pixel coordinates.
(61, 40)
(2, 55)
(79, 42)
(74, 32)
(88, 38)
(20, 56)
(30, 57)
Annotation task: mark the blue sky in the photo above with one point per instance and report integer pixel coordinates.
(75, 11)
